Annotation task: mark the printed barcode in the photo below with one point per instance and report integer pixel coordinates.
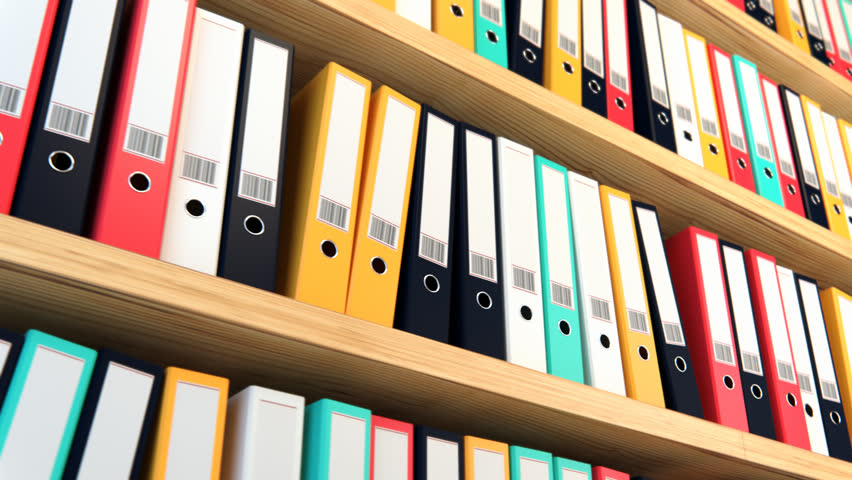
(199, 169)
(531, 33)
(829, 390)
(491, 12)
(593, 64)
(383, 231)
(844, 54)
(68, 121)
(786, 371)
(811, 179)
(333, 214)
(805, 383)
(482, 266)
(764, 151)
(814, 30)
(709, 127)
(684, 113)
(832, 188)
(787, 168)
(145, 143)
(738, 142)
(568, 45)
(433, 249)
(767, 5)
(673, 334)
(257, 188)
(619, 80)
(523, 279)
(637, 321)
(10, 99)
(751, 363)
(600, 309)
(660, 95)
(724, 353)
(562, 295)
(796, 17)
(847, 200)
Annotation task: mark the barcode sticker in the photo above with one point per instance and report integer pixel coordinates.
(803, 142)
(437, 189)
(844, 54)
(709, 127)
(730, 109)
(147, 144)
(637, 321)
(616, 45)
(766, 5)
(829, 391)
(786, 371)
(795, 14)
(753, 99)
(20, 29)
(738, 142)
(600, 309)
(383, 231)
(523, 279)
(491, 12)
(562, 295)
(64, 120)
(805, 383)
(594, 64)
(724, 353)
(847, 200)
(684, 113)
(483, 267)
(557, 237)
(568, 27)
(618, 80)
(568, 46)
(673, 334)
(629, 266)
(764, 152)
(831, 187)
(257, 188)
(531, 33)
(811, 179)
(823, 149)
(334, 214)
(660, 96)
(11, 100)
(751, 363)
(433, 249)
(199, 169)
(843, 184)
(825, 26)
(796, 329)
(787, 168)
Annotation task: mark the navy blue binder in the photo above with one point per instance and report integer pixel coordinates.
(680, 389)
(761, 14)
(251, 230)
(755, 392)
(60, 163)
(526, 57)
(425, 282)
(594, 62)
(107, 375)
(11, 342)
(422, 437)
(477, 298)
(815, 39)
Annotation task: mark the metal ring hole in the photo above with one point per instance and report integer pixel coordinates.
(663, 118)
(809, 410)
(687, 135)
(620, 103)
(484, 300)
(713, 149)
(835, 417)
(791, 189)
(61, 161)
(529, 55)
(756, 391)
(594, 86)
(742, 163)
(254, 225)
(431, 283)
(680, 364)
(815, 199)
(139, 181)
(768, 172)
(836, 208)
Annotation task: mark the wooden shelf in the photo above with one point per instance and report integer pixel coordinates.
(102, 296)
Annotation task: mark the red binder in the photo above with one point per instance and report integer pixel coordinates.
(19, 87)
(784, 395)
(386, 438)
(783, 149)
(730, 117)
(601, 473)
(131, 204)
(739, 4)
(833, 17)
(696, 270)
(619, 98)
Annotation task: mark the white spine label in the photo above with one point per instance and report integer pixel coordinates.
(20, 30)
(390, 454)
(481, 226)
(560, 265)
(593, 47)
(437, 191)
(812, 19)
(532, 16)
(532, 469)
(796, 329)
(569, 26)
(777, 320)
(824, 26)
(716, 304)
(520, 245)
(442, 459)
(730, 101)
(347, 447)
(628, 265)
(193, 431)
(838, 157)
(616, 29)
(743, 315)
(836, 18)
(488, 465)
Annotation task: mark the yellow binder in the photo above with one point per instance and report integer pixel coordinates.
(789, 22)
(202, 404)
(385, 187)
(562, 47)
(712, 146)
(846, 136)
(837, 309)
(486, 453)
(453, 19)
(324, 153)
(825, 168)
(389, 4)
(638, 352)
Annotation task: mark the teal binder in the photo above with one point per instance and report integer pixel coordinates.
(490, 37)
(564, 469)
(516, 454)
(757, 131)
(562, 334)
(316, 451)
(32, 343)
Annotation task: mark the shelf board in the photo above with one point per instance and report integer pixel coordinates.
(102, 296)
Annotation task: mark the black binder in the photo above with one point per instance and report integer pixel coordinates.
(526, 57)
(12, 343)
(815, 36)
(422, 437)
(763, 11)
(594, 69)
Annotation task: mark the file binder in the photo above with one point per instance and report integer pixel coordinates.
(825, 166)
(112, 433)
(830, 403)
(790, 24)
(562, 334)
(602, 364)
(601, 473)
(712, 149)
(453, 20)
(477, 299)
(757, 131)
(63, 147)
(525, 22)
(190, 426)
(755, 390)
(594, 75)
(417, 11)
(10, 350)
(837, 308)
(28, 27)
(438, 454)
(696, 270)
(763, 11)
(815, 33)
(781, 142)
(490, 39)
(562, 70)
(770, 319)
(389, 4)
(425, 282)
(840, 40)
(323, 176)
(738, 3)
(680, 90)
(529, 464)
(802, 358)
(652, 116)
(619, 97)
(43, 405)
(638, 352)
(845, 129)
(731, 120)
(564, 469)
(381, 218)
(263, 435)
(802, 154)
(485, 459)
(519, 254)
(195, 211)
(827, 34)
(337, 441)
(131, 205)
(846, 13)
(841, 167)
(391, 449)
(678, 377)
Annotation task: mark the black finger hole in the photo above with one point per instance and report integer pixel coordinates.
(742, 163)
(565, 327)
(139, 182)
(815, 199)
(484, 300)
(800, 34)
(835, 417)
(756, 391)
(687, 135)
(378, 265)
(713, 149)
(491, 36)
(329, 249)
(728, 381)
(836, 208)
(526, 312)
(680, 364)
(431, 283)
(791, 189)
(567, 67)
(529, 55)
(194, 208)
(253, 225)
(809, 410)
(620, 103)
(457, 10)
(830, 62)
(791, 400)
(643, 352)
(605, 341)
(61, 161)
(768, 172)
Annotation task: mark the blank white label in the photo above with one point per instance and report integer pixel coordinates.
(569, 26)
(803, 142)
(277, 440)
(348, 448)
(481, 226)
(488, 465)
(418, 11)
(628, 264)
(390, 455)
(742, 311)
(568, 474)
(193, 431)
(777, 320)
(730, 101)
(532, 469)
(20, 28)
(442, 459)
(616, 30)
(437, 190)
(714, 291)
(557, 234)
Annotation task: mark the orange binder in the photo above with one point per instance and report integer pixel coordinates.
(453, 19)
(487, 455)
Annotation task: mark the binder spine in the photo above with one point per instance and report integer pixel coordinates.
(763, 11)
(594, 57)
(618, 93)
(490, 40)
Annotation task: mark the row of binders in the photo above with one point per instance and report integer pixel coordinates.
(70, 412)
